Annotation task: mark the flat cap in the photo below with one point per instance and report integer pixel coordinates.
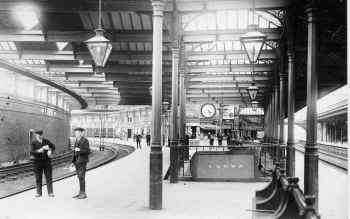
(79, 129)
(39, 132)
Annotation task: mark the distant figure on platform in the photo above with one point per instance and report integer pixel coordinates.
(148, 139)
(138, 141)
(187, 139)
(211, 139)
(229, 139)
(80, 160)
(220, 137)
(41, 151)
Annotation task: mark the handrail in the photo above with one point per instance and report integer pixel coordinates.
(35, 76)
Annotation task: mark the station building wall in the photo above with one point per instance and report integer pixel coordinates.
(122, 124)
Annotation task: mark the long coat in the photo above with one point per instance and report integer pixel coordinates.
(81, 156)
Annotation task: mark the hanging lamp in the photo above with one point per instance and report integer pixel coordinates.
(252, 91)
(253, 40)
(99, 46)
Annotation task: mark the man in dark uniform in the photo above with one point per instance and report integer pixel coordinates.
(138, 141)
(211, 139)
(148, 139)
(41, 151)
(80, 160)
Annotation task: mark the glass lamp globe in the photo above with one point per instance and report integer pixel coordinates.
(100, 48)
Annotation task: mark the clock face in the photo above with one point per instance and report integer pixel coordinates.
(208, 110)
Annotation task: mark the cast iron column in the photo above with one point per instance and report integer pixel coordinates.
(268, 120)
(282, 90)
(277, 120)
(273, 117)
(156, 156)
(182, 106)
(291, 94)
(182, 103)
(283, 78)
(174, 131)
(290, 22)
(291, 99)
(311, 148)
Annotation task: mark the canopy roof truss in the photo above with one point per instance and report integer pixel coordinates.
(210, 30)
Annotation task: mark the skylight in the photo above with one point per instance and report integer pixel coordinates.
(7, 46)
(230, 19)
(27, 61)
(27, 15)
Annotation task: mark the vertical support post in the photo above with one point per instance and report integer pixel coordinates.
(282, 96)
(270, 119)
(276, 140)
(182, 102)
(283, 76)
(291, 95)
(273, 116)
(174, 131)
(311, 148)
(156, 155)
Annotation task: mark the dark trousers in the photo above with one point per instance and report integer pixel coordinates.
(138, 144)
(211, 141)
(40, 167)
(148, 141)
(81, 170)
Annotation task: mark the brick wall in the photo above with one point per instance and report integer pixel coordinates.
(17, 117)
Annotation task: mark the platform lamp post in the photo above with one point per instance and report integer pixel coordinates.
(99, 46)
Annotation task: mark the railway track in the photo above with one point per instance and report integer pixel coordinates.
(334, 155)
(15, 170)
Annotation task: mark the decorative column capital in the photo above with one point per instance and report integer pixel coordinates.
(311, 9)
(175, 52)
(283, 76)
(158, 7)
(291, 56)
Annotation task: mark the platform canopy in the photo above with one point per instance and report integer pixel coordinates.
(216, 66)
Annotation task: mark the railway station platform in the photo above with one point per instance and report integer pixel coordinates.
(120, 190)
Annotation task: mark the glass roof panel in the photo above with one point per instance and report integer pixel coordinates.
(228, 19)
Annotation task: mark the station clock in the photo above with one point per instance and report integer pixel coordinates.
(208, 110)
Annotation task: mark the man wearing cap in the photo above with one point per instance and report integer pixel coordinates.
(41, 151)
(80, 160)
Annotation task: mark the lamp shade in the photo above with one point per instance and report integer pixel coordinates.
(100, 48)
(253, 42)
(252, 91)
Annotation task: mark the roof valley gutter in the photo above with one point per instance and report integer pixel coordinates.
(35, 76)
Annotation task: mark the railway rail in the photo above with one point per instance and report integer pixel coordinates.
(17, 169)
